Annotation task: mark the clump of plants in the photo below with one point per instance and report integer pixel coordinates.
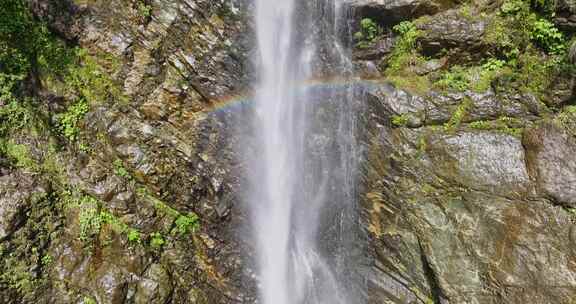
(545, 34)
(367, 34)
(68, 122)
(157, 240)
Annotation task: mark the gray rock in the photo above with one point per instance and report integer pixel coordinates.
(481, 160)
(155, 287)
(17, 193)
(455, 33)
(394, 11)
(550, 152)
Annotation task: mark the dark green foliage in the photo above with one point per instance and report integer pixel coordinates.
(26, 43)
(547, 36)
(24, 256)
(157, 240)
(368, 33)
(69, 120)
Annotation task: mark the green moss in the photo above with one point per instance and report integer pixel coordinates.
(88, 300)
(458, 115)
(19, 154)
(17, 276)
(120, 170)
(400, 120)
(481, 125)
(68, 122)
(186, 224)
(157, 240)
(368, 33)
(89, 219)
(182, 223)
(411, 82)
(506, 125)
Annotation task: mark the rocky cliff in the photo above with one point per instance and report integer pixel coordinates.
(118, 181)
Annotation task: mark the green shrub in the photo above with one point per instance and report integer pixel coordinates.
(456, 79)
(120, 170)
(134, 236)
(156, 240)
(88, 300)
(89, 218)
(513, 7)
(20, 154)
(68, 122)
(404, 50)
(400, 120)
(144, 10)
(47, 260)
(186, 224)
(368, 33)
(547, 36)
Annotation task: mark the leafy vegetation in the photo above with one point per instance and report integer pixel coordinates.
(182, 223)
(68, 122)
(19, 153)
(157, 240)
(404, 50)
(120, 170)
(144, 10)
(89, 219)
(368, 33)
(458, 115)
(548, 37)
(400, 120)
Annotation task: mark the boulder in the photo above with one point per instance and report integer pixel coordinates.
(450, 31)
(550, 155)
(18, 191)
(392, 12)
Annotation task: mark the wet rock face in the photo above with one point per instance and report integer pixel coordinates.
(17, 194)
(551, 159)
(464, 216)
(394, 11)
(481, 160)
(453, 32)
(158, 151)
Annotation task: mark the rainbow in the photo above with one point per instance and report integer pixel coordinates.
(228, 102)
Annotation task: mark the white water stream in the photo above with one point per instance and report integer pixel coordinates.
(302, 165)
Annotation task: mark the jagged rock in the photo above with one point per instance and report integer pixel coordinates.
(447, 230)
(450, 31)
(18, 192)
(155, 287)
(481, 160)
(437, 108)
(550, 152)
(379, 49)
(391, 12)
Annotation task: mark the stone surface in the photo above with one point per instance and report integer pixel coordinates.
(452, 218)
(391, 12)
(18, 191)
(551, 159)
(454, 33)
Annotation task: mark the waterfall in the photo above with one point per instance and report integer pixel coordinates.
(302, 156)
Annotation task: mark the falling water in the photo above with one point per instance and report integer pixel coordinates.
(302, 159)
